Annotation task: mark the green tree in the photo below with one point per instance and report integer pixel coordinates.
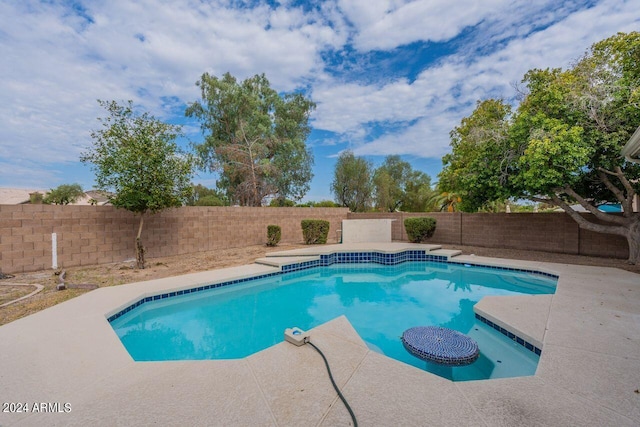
(63, 194)
(320, 204)
(203, 196)
(137, 161)
(478, 167)
(418, 193)
(352, 183)
(282, 203)
(255, 138)
(445, 201)
(389, 182)
(399, 187)
(563, 143)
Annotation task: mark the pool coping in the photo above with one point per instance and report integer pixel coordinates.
(355, 254)
(69, 353)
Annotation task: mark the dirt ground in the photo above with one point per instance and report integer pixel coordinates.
(120, 273)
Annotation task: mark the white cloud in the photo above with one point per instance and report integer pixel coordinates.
(387, 24)
(57, 62)
(443, 94)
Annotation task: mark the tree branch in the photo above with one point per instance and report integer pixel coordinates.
(588, 206)
(626, 184)
(627, 202)
(607, 182)
(588, 225)
(541, 200)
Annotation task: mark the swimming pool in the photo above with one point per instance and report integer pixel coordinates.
(380, 301)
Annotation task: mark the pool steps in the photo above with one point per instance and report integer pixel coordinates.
(279, 259)
(521, 318)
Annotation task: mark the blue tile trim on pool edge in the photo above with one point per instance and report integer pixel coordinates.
(497, 267)
(325, 261)
(510, 335)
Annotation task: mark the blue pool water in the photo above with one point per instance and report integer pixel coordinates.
(380, 302)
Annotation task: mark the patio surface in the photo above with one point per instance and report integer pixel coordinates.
(588, 375)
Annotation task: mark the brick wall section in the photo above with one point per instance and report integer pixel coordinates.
(597, 243)
(101, 234)
(549, 232)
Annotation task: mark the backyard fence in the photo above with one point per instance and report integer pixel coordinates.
(37, 237)
(87, 235)
(548, 232)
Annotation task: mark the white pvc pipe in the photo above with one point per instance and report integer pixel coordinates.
(54, 250)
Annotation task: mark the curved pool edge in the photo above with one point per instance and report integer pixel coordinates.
(70, 353)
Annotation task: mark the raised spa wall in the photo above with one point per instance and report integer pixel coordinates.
(366, 230)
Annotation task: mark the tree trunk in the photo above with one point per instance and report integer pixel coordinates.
(633, 238)
(627, 226)
(139, 248)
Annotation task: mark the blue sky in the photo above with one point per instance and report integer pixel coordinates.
(388, 76)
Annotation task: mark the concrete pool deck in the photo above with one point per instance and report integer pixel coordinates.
(589, 372)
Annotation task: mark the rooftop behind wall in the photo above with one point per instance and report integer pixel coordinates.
(89, 235)
(548, 232)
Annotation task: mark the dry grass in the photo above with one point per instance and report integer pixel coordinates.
(10, 293)
(120, 273)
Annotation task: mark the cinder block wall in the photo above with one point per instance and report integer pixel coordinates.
(101, 234)
(549, 232)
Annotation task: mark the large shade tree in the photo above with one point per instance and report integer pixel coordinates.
(254, 137)
(138, 163)
(562, 145)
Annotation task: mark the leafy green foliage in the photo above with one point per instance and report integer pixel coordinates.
(562, 144)
(478, 168)
(399, 187)
(63, 194)
(274, 234)
(569, 125)
(36, 198)
(352, 182)
(282, 203)
(419, 229)
(324, 204)
(210, 201)
(137, 161)
(203, 196)
(254, 138)
(320, 204)
(446, 201)
(315, 231)
(417, 193)
(390, 180)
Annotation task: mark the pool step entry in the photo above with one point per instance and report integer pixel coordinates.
(449, 253)
(290, 261)
(522, 318)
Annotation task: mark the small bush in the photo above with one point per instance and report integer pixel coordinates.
(274, 233)
(419, 229)
(315, 231)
